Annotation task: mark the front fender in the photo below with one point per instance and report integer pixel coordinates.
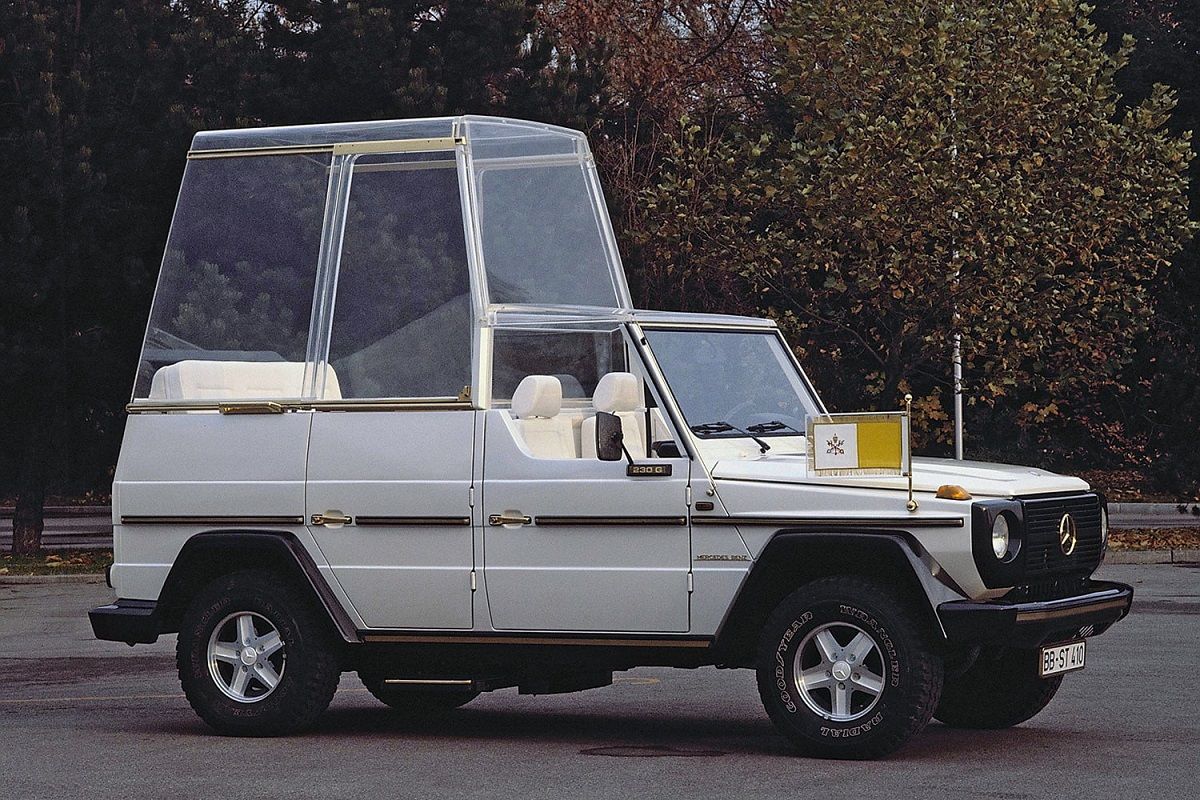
(792, 558)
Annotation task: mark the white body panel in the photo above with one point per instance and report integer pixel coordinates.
(200, 465)
(949, 545)
(409, 475)
(582, 577)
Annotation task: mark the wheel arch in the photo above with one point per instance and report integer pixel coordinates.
(793, 558)
(209, 555)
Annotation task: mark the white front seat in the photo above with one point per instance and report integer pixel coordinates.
(535, 407)
(618, 393)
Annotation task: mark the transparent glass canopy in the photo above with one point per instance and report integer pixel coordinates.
(534, 202)
(361, 259)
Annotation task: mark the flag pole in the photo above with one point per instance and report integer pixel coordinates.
(912, 504)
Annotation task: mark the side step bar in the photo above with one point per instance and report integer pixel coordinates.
(542, 684)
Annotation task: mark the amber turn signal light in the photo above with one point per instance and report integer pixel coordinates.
(950, 491)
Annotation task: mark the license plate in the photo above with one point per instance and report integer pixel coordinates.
(1060, 658)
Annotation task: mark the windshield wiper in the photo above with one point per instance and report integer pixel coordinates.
(713, 427)
(724, 427)
(771, 427)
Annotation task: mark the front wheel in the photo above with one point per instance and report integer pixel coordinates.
(1001, 689)
(255, 657)
(845, 669)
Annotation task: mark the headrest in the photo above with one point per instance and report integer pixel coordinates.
(537, 396)
(618, 391)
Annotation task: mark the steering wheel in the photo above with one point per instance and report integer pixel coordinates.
(763, 416)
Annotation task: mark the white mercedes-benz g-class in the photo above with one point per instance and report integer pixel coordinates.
(396, 414)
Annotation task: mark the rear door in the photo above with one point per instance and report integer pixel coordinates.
(404, 478)
(391, 453)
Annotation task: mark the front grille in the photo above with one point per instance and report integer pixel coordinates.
(1043, 553)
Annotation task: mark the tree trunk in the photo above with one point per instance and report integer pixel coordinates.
(28, 520)
(893, 372)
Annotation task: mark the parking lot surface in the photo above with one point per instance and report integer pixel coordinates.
(82, 718)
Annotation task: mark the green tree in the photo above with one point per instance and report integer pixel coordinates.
(932, 168)
(49, 214)
(335, 61)
(98, 105)
(1165, 411)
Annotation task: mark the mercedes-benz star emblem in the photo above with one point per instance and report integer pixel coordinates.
(1068, 534)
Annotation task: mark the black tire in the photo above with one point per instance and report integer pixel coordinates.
(1001, 689)
(415, 702)
(308, 672)
(908, 664)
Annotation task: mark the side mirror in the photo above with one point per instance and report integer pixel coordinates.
(610, 438)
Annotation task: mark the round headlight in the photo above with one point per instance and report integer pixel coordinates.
(1000, 536)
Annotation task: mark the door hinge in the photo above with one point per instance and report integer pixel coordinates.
(689, 495)
(690, 584)
(472, 496)
(472, 580)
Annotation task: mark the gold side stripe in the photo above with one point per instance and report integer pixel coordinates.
(402, 521)
(280, 406)
(381, 638)
(400, 145)
(426, 404)
(234, 152)
(250, 408)
(552, 521)
(841, 522)
(1104, 605)
(136, 519)
(340, 148)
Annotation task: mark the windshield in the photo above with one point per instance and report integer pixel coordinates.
(733, 383)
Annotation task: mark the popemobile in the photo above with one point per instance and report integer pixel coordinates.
(396, 414)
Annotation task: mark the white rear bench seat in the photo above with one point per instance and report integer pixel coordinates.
(236, 380)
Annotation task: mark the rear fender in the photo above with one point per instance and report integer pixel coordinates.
(207, 556)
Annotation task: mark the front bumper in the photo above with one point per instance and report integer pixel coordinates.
(129, 621)
(1032, 624)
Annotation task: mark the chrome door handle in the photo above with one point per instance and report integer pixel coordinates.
(510, 519)
(331, 518)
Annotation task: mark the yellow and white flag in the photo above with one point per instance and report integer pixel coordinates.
(858, 444)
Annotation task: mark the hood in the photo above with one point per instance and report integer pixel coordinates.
(979, 478)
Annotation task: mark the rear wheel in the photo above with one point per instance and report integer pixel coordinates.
(845, 669)
(1001, 689)
(255, 656)
(417, 702)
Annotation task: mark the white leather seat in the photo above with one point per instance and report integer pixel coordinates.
(618, 393)
(535, 407)
(235, 380)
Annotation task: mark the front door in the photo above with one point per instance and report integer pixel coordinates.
(600, 551)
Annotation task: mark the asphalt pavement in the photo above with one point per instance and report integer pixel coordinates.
(82, 718)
